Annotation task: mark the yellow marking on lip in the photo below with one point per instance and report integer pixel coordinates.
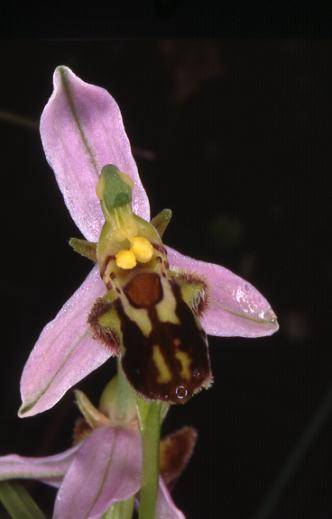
(141, 318)
(167, 306)
(185, 362)
(139, 315)
(164, 372)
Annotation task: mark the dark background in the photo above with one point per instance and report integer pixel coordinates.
(235, 136)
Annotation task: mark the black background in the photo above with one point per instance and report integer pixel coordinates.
(235, 136)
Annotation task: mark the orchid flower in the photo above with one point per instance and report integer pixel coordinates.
(104, 466)
(82, 132)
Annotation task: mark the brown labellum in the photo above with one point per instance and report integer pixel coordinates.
(172, 362)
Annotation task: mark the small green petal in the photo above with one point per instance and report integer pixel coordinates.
(84, 248)
(161, 221)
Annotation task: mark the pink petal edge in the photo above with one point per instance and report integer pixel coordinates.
(106, 469)
(65, 351)
(49, 469)
(82, 130)
(166, 508)
(234, 307)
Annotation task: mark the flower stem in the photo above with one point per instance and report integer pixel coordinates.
(150, 419)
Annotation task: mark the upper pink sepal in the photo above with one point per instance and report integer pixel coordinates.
(233, 306)
(49, 469)
(65, 351)
(106, 469)
(82, 130)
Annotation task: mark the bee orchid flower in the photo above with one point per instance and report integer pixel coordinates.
(104, 466)
(83, 134)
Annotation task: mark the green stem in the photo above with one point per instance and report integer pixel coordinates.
(150, 419)
(121, 510)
